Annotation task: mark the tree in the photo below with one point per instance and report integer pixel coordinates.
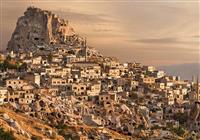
(181, 117)
(6, 135)
(35, 138)
(7, 65)
(133, 95)
(8, 58)
(180, 131)
(49, 57)
(23, 67)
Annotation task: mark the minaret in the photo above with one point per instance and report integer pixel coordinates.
(197, 89)
(193, 79)
(85, 45)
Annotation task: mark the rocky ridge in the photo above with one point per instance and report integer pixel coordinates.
(40, 28)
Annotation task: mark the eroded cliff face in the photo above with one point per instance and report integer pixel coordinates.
(194, 116)
(195, 112)
(41, 28)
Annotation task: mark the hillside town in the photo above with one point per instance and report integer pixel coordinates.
(59, 80)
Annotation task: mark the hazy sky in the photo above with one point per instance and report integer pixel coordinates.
(150, 32)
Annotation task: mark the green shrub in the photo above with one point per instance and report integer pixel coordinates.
(180, 131)
(6, 135)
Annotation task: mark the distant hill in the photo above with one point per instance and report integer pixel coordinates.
(186, 71)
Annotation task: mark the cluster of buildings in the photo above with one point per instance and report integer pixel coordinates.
(78, 87)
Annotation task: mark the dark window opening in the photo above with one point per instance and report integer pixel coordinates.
(36, 38)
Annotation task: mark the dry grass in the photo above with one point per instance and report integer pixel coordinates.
(28, 124)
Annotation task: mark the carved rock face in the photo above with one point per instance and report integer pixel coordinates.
(194, 116)
(195, 112)
(41, 28)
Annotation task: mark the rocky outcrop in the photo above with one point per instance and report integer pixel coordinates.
(41, 28)
(14, 125)
(24, 127)
(194, 115)
(195, 112)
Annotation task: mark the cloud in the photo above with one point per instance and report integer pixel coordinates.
(196, 36)
(159, 33)
(103, 30)
(89, 22)
(164, 40)
(83, 17)
(156, 40)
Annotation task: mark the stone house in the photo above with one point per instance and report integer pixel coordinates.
(94, 88)
(169, 98)
(57, 58)
(82, 137)
(27, 99)
(58, 71)
(148, 80)
(37, 60)
(15, 83)
(14, 96)
(82, 97)
(160, 85)
(112, 72)
(79, 88)
(133, 84)
(104, 98)
(58, 82)
(159, 74)
(91, 72)
(3, 95)
(149, 68)
(111, 64)
(178, 95)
